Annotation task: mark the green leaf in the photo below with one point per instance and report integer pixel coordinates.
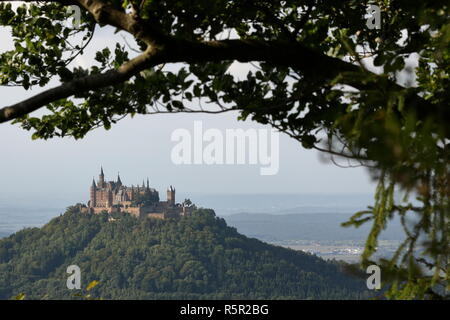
(20, 296)
(92, 285)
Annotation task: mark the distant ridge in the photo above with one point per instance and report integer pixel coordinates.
(312, 226)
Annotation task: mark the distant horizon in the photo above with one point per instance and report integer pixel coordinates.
(314, 207)
(223, 204)
(8, 198)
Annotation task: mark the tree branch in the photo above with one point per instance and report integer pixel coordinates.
(146, 60)
(308, 61)
(107, 14)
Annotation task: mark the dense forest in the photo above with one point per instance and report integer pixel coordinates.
(196, 257)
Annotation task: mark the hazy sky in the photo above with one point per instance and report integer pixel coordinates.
(141, 147)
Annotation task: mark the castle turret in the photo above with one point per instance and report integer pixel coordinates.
(93, 194)
(148, 184)
(171, 196)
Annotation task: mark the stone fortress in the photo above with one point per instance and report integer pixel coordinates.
(139, 201)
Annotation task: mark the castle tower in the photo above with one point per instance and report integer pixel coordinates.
(101, 179)
(93, 194)
(171, 196)
(148, 184)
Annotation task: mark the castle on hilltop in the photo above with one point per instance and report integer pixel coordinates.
(140, 201)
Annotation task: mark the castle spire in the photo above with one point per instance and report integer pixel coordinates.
(148, 184)
(118, 179)
(93, 182)
(143, 184)
(101, 178)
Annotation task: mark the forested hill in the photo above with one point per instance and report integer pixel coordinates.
(197, 257)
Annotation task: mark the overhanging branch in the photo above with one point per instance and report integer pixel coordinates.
(146, 60)
(166, 49)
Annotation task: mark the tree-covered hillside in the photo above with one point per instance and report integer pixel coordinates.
(197, 257)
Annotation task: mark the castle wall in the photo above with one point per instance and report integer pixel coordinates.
(97, 210)
(134, 211)
(155, 215)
